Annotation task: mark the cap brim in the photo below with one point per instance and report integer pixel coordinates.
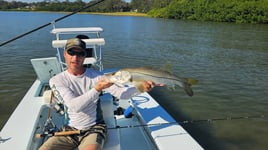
(75, 47)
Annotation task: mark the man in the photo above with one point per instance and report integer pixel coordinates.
(80, 88)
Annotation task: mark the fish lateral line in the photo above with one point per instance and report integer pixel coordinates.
(170, 78)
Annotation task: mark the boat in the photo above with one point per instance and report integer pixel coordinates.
(137, 123)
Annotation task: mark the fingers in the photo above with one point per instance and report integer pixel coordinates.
(102, 84)
(148, 85)
(160, 84)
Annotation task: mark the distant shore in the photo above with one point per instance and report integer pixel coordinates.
(97, 13)
(119, 14)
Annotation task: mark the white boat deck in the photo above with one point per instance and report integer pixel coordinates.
(19, 129)
(164, 130)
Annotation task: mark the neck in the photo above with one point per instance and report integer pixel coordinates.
(77, 72)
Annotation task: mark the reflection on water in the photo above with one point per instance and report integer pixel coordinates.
(229, 60)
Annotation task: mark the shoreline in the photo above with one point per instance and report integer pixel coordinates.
(136, 14)
(119, 14)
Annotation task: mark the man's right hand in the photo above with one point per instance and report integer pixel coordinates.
(102, 84)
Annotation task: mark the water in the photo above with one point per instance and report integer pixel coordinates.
(229, 60)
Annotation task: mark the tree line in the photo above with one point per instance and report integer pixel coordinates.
(239, 11)
(66, 6)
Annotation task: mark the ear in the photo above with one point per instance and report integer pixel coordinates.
(64, 53)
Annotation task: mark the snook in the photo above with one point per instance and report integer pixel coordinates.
(137, 75)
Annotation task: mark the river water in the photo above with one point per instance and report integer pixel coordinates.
(229, 60)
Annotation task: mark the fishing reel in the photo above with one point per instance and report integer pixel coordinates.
(59, 108)
(52, 101)
(49, 129)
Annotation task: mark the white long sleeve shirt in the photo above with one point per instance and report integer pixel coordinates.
(82, 99)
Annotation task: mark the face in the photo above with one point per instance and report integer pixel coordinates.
(74, 59)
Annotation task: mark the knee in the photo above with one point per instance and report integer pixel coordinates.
(40, 148)
(92, 147)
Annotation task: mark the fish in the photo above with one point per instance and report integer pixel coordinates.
(136, 76)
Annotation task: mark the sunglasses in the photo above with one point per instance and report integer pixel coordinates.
(77, 53)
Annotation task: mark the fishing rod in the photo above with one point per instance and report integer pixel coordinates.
(93, 3)
(190, 121)
(49, 134)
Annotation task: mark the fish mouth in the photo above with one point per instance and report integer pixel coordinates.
(120, 77)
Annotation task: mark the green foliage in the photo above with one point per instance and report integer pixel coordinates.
(4, 5)
(142, 5)
(239, 11)
(110, 6)
(55, 5)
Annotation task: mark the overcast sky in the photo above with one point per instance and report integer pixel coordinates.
(30, 1)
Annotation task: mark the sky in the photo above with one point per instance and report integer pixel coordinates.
(30, 1)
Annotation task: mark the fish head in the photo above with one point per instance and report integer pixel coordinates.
(120, 77)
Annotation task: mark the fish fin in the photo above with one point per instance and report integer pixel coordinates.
(167, 68)
(187, 86)
(191, 81)
(188, 89)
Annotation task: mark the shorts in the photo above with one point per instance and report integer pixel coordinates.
(94, 135)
